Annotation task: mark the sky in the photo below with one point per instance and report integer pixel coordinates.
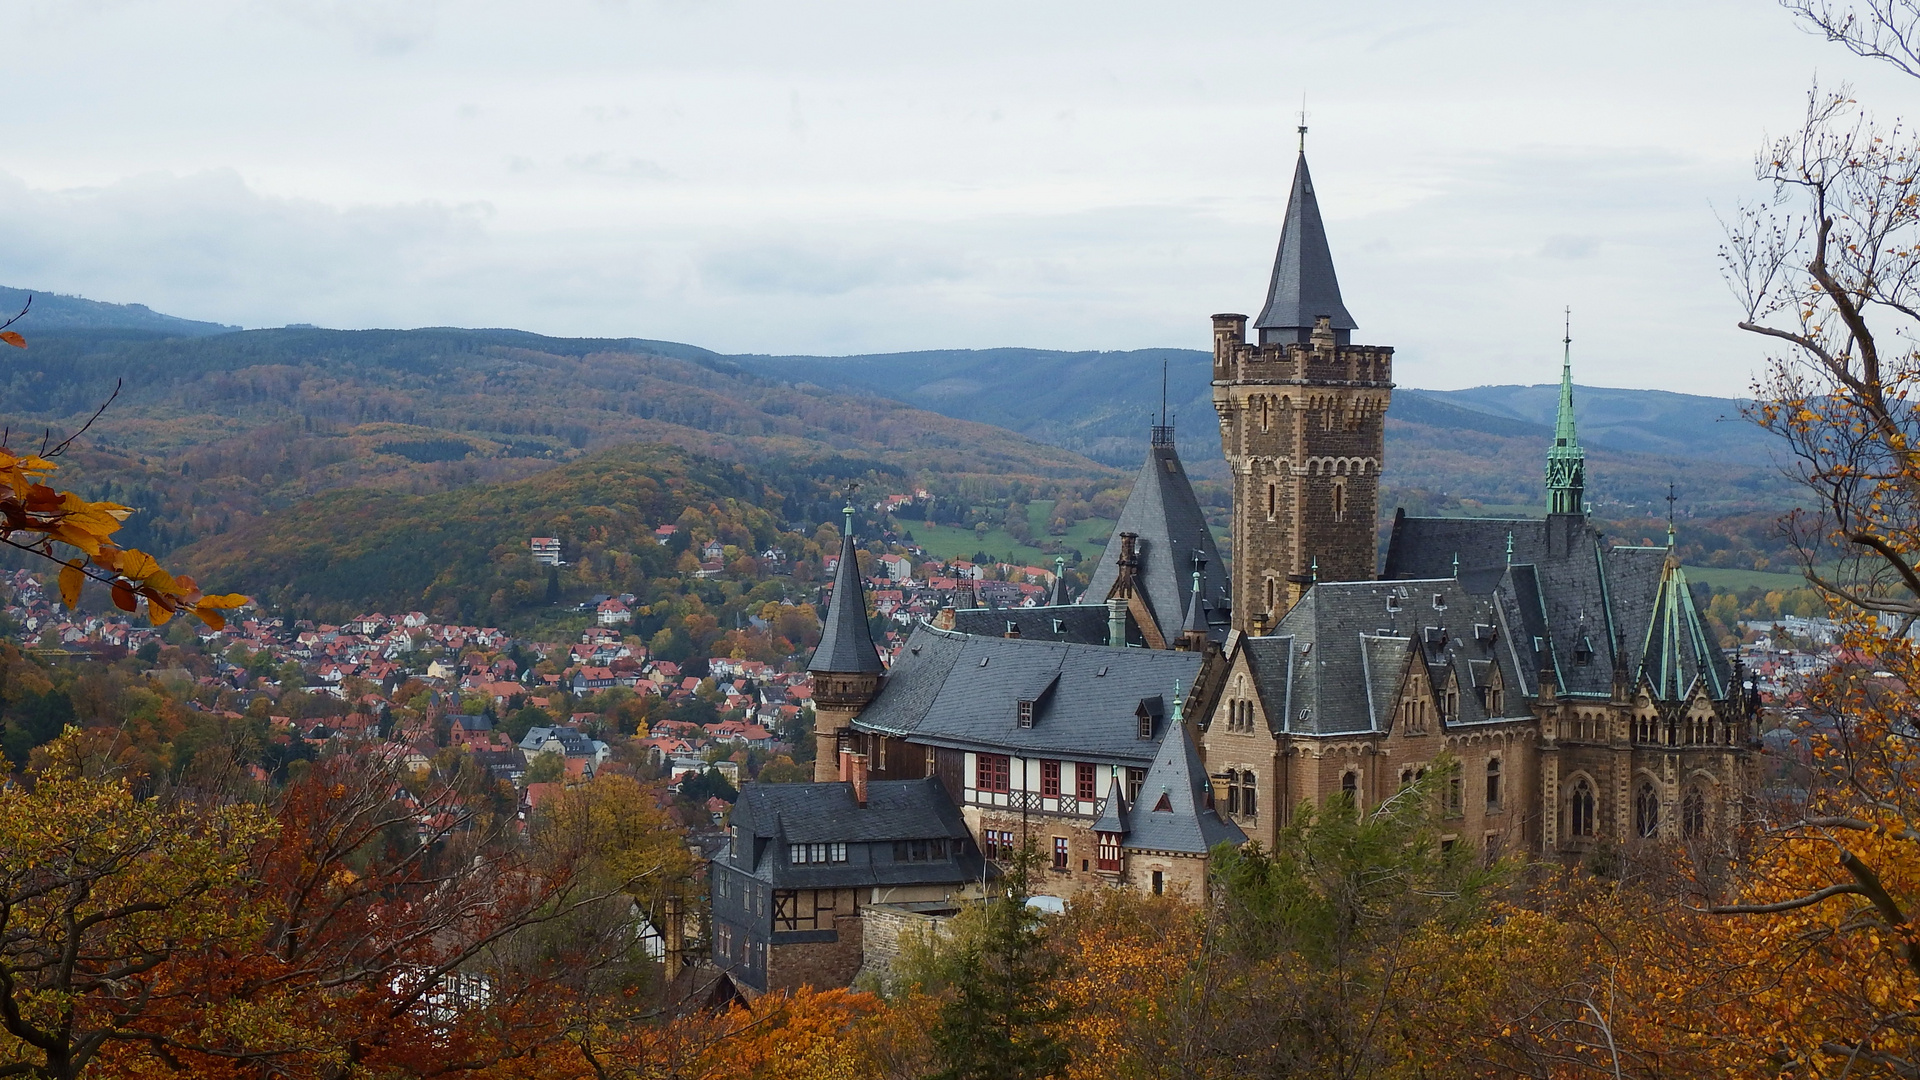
(834, 178)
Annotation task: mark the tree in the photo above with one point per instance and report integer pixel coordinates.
(1829, 273)
(1001, 1019)
(101, 895)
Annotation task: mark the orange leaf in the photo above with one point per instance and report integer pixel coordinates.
(123, 597)
(13, 338)
(71, 578)
(158, 614)
(212, 618)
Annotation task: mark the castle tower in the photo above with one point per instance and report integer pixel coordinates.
(1566, 461)
(1302, 416)
(845, 667)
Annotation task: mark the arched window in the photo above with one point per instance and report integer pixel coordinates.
(1339, 502)
(1646, 810)
(1350, 786)
(1272, 493)
(1693, 813)
(1493, 784)
(1582, 808)
(1269, 594)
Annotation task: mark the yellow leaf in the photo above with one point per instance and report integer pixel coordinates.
(212, 618)
(71, 578)
(228, 601)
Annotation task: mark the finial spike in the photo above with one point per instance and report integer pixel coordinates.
(1303, 122)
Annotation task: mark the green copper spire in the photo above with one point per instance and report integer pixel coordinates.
(1566, 462)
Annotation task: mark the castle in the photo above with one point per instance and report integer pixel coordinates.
(1567, 683)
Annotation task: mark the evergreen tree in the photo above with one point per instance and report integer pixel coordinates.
(1000, 1022)
(553, 586)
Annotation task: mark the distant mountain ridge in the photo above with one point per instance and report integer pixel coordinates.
(53, 311)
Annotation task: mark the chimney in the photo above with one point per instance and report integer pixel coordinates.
(1117, 622)
(857, 773)
(846, 765)
(676, 938)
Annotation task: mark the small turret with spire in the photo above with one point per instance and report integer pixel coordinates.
(1566, 461)
(846, 666)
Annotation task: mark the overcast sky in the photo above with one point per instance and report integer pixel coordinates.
(845, 177)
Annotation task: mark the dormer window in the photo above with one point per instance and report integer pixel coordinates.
(1583, 651)
(1145, 716)
(1439, 601)
(1023, 713)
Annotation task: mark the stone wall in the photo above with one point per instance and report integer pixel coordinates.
(888, 928)
(819, 964)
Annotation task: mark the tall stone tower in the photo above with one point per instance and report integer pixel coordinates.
(846, 666)
(1302, 415)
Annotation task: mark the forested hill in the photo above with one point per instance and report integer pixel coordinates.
(207, 431)
(462, 554)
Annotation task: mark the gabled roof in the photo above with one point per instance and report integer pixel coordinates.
(962, 691)
(1338, 656)
(846, 641)
(1303, 287)
(1174, 811)
(1165, 516)
(769, 816)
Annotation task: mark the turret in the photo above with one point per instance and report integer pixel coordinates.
(846, 666)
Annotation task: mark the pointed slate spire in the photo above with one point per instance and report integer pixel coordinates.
(1196, 624)
(1058, 597)
(1566, 461)
(1174, 811)
(846, 641)
(1167, 525)
(1304, 287)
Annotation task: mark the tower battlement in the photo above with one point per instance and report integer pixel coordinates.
(1237, 360)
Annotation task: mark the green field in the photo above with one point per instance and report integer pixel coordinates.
(953, 542)
(1735, 580)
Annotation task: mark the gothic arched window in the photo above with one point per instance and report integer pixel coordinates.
(1693, 813)
(1582, 808)
(1646, 810)
(1493, 784)
(1339, 502)
(1350, 786)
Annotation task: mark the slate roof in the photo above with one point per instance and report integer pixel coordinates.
(1303, 286)
(1163, 513)
(1082, 623)
(952, 689)
(1565, 585)
(1175, 809)
(821, 813)
(1113, 814)
(846, 641)
(1337, 659)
